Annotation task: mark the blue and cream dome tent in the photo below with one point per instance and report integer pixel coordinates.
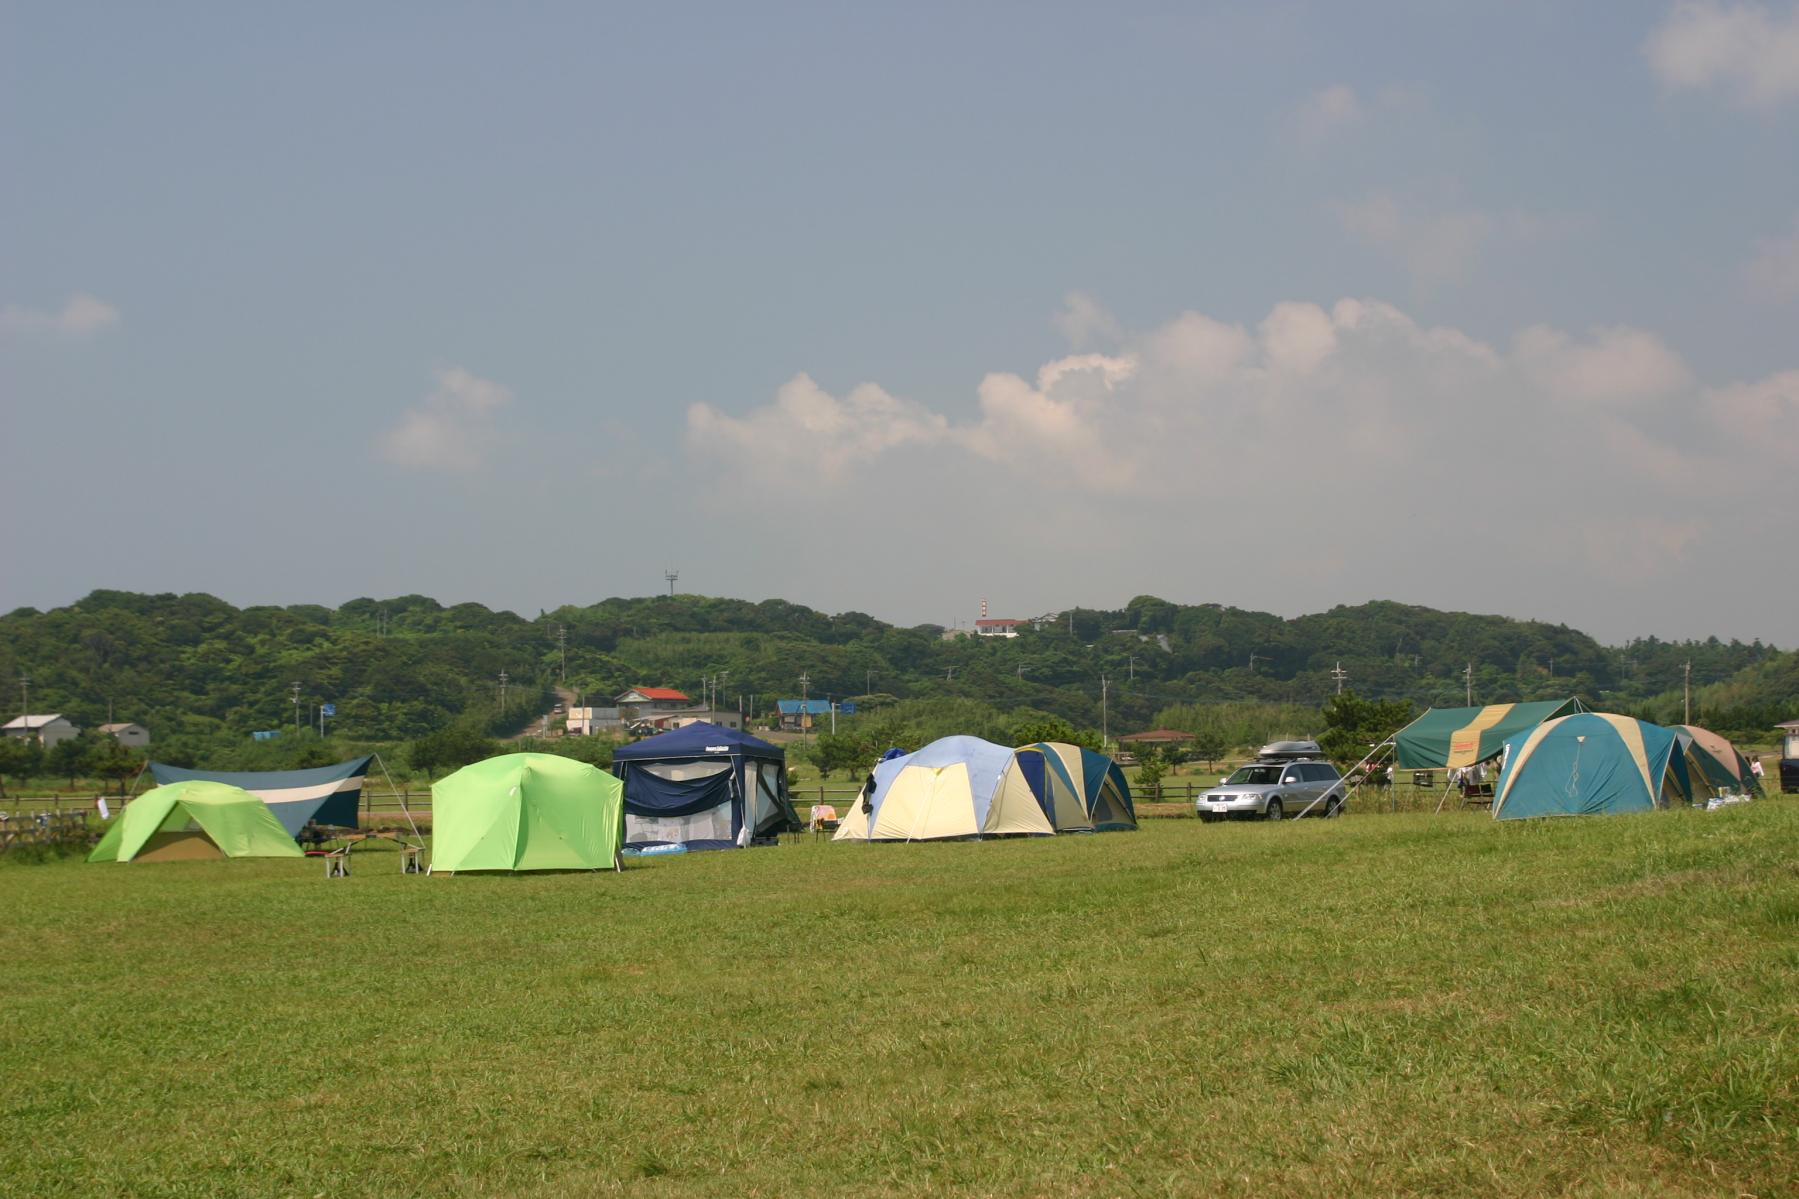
(1081, 790)
(1591, 763)
(953, 788)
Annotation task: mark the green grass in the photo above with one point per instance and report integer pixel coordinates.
(1378, 1005)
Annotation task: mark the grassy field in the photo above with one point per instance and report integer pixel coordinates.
(1378, 1004)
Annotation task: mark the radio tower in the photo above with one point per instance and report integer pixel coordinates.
(671, 576)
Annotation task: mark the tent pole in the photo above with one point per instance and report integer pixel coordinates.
(1444, 798)
(132, 790)
(1372, 754)
(396, 793)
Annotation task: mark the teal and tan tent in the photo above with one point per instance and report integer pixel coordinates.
(194, 819)
(1594, 762)
(526, 812)
(1455, 737)
(1722, 764)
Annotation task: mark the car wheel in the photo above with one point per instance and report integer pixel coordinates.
(1275, 811)
(1333, 807)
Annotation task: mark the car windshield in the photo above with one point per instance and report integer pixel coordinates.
(1254, 775)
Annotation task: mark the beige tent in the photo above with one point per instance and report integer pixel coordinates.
(958, 787)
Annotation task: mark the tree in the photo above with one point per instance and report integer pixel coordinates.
(450, 749)
(1150, 769)
(20, 758)
(1208, 744)
(1353, 725)
(68, 756)
(107, 759)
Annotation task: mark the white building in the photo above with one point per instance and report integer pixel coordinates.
(48, 729)
(585, 721)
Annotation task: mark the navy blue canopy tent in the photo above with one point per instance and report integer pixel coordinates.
(703, 787)
(326, 795)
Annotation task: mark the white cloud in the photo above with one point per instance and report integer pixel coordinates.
(1774, 271)
(1328, 113)
(82, 315)
(1571, 458)
(1615, 366)
(1436, 247)
(1083, 322)
(452, 428)
(807, 429)
(1749, 51)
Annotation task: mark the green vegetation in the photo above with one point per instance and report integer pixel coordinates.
(202, 675)
(1373, 1005)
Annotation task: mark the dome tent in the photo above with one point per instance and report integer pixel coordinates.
(1722, 764)
(1081, 790)
(1592, 763)
(194, 819)
(956, 787)
(525, 812)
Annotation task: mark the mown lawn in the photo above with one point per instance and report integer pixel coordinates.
(1374, 1005)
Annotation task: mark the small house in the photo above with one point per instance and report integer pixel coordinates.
(48, 729)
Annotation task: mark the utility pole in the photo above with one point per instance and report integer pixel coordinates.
(805, 716)
(671, 576)
(1468, 675)
(503, 677)
(562, 647)
(1338, 673)
(25, 699)
(868, 682)
(1686, 702)
(1132, 668)
(1021, 674)
(1105, 737)
(296, 688)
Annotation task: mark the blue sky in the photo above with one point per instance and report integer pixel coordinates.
(1491, 306)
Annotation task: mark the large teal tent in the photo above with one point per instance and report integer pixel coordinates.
(1455, 737)
(1590, 763)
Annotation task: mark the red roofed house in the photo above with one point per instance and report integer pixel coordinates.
(653, 699)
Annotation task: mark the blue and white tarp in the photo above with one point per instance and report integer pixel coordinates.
(325, 795)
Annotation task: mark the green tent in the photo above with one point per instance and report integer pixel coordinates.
(526, 812)
(1452, 737)
(194, 819)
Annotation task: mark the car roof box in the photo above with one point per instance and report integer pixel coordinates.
(1281, 751)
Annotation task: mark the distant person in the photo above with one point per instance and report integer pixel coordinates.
(1755, 767)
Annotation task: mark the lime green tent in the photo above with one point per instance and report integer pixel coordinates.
(526, 812)
(194, 819)
(1455, 737)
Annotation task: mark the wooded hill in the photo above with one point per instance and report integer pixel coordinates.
(194, 667)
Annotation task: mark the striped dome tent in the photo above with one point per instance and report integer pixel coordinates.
(1591, 763)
